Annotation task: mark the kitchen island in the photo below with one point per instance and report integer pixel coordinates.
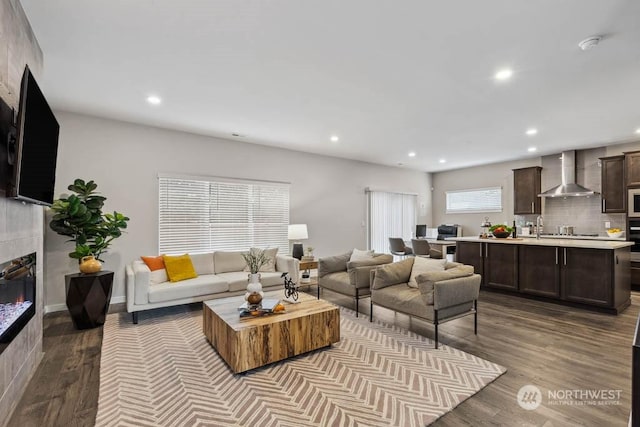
(586, 273)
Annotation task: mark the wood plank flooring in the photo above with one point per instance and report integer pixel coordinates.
(551, 346)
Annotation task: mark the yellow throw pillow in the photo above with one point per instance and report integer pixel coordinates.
(179, 267)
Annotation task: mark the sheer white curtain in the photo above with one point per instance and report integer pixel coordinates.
(390, 215)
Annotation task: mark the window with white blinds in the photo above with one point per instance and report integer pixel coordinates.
(390, 215)
(475, 200)
(207, 214)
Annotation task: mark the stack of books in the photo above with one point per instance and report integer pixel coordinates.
(266, 307)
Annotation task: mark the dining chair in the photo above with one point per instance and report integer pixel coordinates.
(422, 248)
(398, 248)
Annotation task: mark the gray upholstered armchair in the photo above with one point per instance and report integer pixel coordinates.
(346, 277)
(441, 296)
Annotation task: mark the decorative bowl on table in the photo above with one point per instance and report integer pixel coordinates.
(501, 231)
(615, 233)
(501, 234)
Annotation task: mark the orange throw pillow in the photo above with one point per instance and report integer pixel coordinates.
(154, 262)
(179, 267)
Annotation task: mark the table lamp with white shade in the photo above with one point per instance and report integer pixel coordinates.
(297, 232)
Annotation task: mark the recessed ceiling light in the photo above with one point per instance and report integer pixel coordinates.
(532, 131)
(412, 153)
(442, 161)
(532, 149)
(504, 74)
(154, 100)
(638, 130)
(334, 138)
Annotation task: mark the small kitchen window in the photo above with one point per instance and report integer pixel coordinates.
(474, 200)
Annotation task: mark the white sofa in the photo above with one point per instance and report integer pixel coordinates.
(220, 274)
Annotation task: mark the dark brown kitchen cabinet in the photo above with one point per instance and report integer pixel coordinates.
(539, 270)
(613, 185)
(471, 253)
(633, 168)
(526, 187)
(573, 275)
(586, 276)
(501, 266)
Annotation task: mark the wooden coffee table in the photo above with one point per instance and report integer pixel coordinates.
(249, 343)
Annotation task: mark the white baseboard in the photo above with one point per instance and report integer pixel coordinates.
(54, 307)
(62, 307)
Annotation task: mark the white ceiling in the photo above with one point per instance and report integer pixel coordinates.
(387, 77)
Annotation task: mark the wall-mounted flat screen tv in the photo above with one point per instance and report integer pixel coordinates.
(36, 151)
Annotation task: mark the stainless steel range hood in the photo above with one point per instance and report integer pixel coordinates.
(568, 188)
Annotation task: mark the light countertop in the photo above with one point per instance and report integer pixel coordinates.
(557, 236)
(554, 241)
(446, 242)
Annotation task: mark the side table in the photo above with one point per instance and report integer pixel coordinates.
(88, 298)
(306, 267)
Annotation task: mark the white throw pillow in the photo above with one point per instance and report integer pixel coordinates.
(422, 265)
(358, 255)
(203, 263)
(271, 265)
(158, 276)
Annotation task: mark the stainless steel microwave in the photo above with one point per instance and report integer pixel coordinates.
(634, 203)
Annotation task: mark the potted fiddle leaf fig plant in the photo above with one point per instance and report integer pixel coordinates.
(79, 216)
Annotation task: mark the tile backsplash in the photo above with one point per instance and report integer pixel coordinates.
(583, 213)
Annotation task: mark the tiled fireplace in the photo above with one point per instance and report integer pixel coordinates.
(21, 299)
(17, 296)
(21, 226)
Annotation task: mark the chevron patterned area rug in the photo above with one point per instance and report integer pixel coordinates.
(163, 372)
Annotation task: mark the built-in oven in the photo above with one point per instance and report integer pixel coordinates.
(634, 203)
(634, 236)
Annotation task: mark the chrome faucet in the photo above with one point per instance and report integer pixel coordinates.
(538, 224)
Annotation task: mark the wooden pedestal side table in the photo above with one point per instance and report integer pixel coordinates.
(88, 298)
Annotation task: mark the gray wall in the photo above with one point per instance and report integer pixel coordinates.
(21, 226)
(124, 159)
(494, 175)
(581, 212)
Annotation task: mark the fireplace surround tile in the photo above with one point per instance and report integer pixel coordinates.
(19, 359)
(21, 226)
(20, 381)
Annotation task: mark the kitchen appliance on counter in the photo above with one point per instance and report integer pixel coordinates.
(453, 230)
(569, 235)
(565, 230)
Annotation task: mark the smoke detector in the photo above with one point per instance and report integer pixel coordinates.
(589, 42)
